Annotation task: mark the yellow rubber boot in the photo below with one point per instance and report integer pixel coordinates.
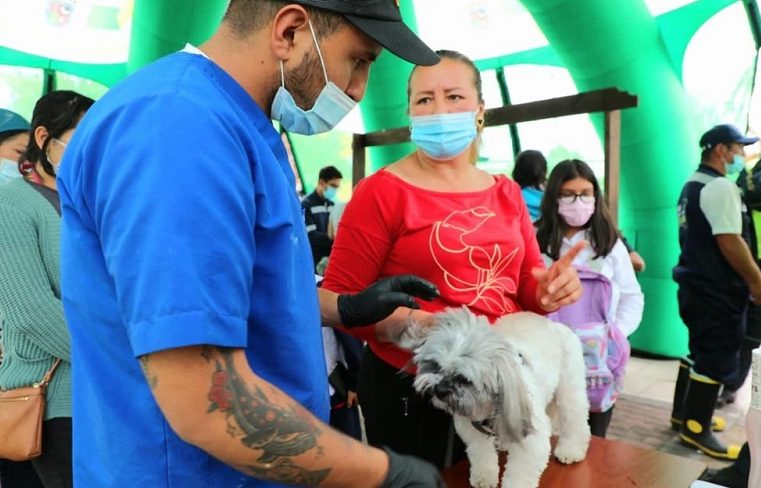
(718, 424)
(699, 403)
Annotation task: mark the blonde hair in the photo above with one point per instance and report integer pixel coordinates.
(475, 146)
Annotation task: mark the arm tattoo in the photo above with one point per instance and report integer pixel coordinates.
(149, 376)
(279, 432)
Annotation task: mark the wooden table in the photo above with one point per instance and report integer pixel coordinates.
(609, 464)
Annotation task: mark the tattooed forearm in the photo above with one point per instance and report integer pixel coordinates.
(277, 431)
(285, 471)
(149, 375)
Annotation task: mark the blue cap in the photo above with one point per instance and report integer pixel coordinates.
(724, 134)
(12, 122)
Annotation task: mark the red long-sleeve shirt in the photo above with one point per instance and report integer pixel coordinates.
(477, 247)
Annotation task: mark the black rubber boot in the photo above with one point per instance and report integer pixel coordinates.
(683, 376)
(699, 403)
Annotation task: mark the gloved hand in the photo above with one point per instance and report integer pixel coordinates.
(410, 472)
(380, 299)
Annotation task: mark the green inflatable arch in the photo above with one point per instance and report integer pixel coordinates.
(658, 138)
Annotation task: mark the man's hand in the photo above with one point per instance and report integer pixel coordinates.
(638, 263)
(380, 299)
(755, 296)
(410, 472)
(351, 399)
(559, 285)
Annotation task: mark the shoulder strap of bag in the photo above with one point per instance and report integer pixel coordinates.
(48, 375)
(50, 195)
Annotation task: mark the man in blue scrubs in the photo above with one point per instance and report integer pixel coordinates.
(188, 284)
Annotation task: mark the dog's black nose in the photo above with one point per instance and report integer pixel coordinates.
(442, 390)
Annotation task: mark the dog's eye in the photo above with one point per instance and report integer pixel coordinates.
(429, 367)
(460, 380)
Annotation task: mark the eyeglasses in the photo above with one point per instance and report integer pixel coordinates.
(568, 198)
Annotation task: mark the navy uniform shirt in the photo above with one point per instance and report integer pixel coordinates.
(316, 215)
(710, 205)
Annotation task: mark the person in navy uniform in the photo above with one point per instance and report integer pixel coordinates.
(717, 277)
(317, 207)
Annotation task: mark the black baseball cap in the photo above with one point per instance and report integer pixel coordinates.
(724, 134)
(381, 20)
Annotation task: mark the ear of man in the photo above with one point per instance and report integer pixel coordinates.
(290, 33)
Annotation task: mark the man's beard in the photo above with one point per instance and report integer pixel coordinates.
(306, 81)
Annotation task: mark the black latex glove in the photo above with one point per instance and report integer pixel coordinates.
(410, 472)
(380, 299)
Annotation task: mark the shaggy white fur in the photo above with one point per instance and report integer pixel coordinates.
(509, 386)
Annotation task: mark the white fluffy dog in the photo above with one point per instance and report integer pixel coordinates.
(509, 386)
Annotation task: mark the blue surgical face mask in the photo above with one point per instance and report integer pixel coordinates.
(329, 109)
(443, 136)
(737, 164)
(8, 170)
(330, 193)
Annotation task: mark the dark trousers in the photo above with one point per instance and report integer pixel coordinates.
(600, 421)
(716, 330)
(397, 417)
(18, 475)
(54, 465)
(345, 419)
(752, 341)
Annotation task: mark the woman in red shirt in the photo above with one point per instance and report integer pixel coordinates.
(435, 215)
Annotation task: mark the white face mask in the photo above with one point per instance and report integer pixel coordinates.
(329, 109)
(58, 164)
(8, 170)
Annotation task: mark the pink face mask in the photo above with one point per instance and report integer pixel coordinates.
(576, 213)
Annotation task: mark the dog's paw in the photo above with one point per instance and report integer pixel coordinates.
(484, 476)
(520, 480)
(569, 452)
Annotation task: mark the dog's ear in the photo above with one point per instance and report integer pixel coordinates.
(514, 421)
(409, 335)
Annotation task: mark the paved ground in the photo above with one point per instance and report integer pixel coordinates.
(641, 415)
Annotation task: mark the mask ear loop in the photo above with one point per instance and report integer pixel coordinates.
(319, 53)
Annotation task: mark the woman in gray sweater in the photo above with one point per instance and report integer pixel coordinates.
(34, 329)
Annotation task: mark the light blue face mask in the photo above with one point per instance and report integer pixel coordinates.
(737, 165)
(8, 170)
(330, 193)
(443, 136)
(329, 109)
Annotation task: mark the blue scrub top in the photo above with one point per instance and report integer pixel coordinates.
(181, 227)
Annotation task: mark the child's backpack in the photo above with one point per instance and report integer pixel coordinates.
(606, 348)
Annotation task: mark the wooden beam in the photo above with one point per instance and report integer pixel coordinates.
(594, 101)
(387, 136)
(358, 145)
(608, 100)
(612, 161)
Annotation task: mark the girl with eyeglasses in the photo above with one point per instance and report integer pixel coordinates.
(572, 210)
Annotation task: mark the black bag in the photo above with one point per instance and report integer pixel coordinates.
(338, 379)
